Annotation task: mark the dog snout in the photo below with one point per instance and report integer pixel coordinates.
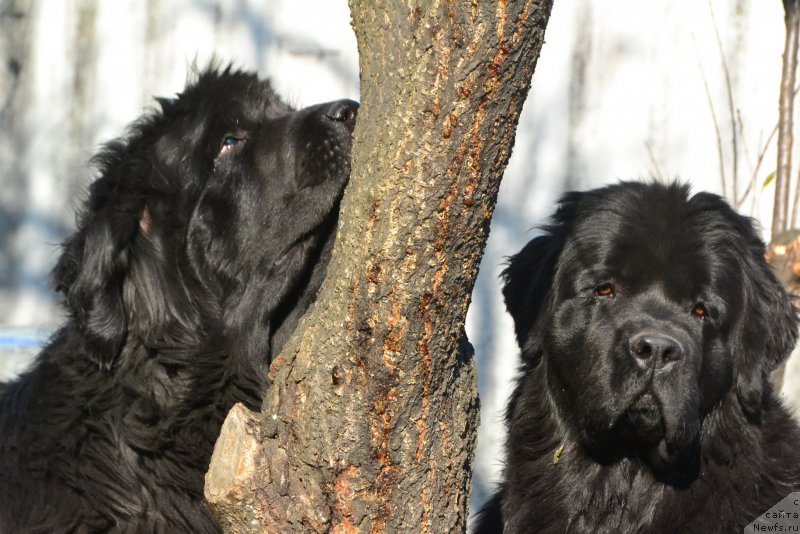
(343, 111)
(656, 350)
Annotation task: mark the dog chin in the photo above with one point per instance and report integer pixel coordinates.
(644, 428)
(670, 455)
(646, 420)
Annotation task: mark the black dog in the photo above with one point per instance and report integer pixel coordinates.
(204, 239)
(649, 322)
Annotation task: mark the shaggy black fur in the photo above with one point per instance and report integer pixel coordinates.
(649, 322)
(204, 239)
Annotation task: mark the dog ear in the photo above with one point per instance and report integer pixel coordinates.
(527, 278)
(767, 335)
(92, 269)
(529, 275)
(766, 332)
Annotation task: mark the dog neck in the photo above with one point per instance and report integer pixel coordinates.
(574, 490)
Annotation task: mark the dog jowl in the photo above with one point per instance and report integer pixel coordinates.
(648, 322)
(203, 240)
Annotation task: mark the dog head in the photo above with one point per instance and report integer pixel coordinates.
(208, 211)
(648, 309)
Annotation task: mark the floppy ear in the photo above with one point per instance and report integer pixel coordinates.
(91, 272)
(530, 272)
(767, 329)
(768, 333)
(527, 278)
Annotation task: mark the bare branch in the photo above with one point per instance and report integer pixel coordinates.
(731, 108)
(710, 101)
(780, 222)
(759, 160)
(653, 160)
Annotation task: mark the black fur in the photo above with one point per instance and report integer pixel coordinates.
(203, 240)
(649, 322)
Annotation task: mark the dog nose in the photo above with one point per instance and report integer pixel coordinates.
(655, 350)
(343, 111)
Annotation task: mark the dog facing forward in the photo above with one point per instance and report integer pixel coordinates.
(649, 322)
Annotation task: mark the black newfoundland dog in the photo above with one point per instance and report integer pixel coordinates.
(649, 322)
(204, 239)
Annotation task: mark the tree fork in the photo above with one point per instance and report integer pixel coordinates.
(369, 424)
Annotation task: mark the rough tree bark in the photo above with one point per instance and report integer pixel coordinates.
(369, 425)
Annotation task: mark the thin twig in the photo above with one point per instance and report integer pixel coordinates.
(737, 202)
(653, 160)
(714, 119)
(759, 161)
(731, 108)
(763, 152)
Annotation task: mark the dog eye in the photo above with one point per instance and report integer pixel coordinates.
(699, 311)
(229, 142)
(604, 290)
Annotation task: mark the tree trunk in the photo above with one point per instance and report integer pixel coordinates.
(780, 210)
(369, 425)
(782, 222)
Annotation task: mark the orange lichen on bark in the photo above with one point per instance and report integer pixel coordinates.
(387, 470)
(277, 363)
(342, 498)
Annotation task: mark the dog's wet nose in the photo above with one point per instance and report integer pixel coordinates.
(344, 111)
(655, 350)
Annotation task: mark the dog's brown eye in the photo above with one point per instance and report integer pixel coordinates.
(699, 311)
(604, 290)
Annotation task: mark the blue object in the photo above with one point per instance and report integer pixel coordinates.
(18, 347)
(22, 341)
